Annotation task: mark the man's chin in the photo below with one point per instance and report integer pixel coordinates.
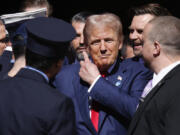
(137, 53)
(103, 66)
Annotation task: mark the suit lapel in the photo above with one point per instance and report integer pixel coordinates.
(82, 96)
(147, 100)
(142, 105)
(117, 80)
(83, 104)
(102, 117)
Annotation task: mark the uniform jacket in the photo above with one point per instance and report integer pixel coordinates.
(30, 106)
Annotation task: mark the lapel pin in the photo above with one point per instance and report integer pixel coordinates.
(118, 83)
(119, 78)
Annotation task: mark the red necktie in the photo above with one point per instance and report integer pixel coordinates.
(95, 115)
(95, 112)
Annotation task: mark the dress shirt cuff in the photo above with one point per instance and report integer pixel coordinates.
(90, 88)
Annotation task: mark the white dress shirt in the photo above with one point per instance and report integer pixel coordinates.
(157, 78)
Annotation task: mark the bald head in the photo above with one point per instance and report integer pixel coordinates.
(166, 31)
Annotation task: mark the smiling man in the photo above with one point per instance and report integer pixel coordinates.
(109, 88)
(112, 98)
(141, 16)
(159, 113)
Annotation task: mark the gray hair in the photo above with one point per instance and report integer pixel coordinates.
(106, 19)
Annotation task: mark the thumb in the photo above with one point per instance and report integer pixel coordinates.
(86, 58)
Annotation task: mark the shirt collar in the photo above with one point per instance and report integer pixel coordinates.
(158, 77)
(43, 74)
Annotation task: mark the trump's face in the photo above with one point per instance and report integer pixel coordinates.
(103, 45)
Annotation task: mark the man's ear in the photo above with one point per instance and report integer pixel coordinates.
(157, 48)
(121, 43)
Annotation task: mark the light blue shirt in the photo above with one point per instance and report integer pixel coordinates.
(43, 74)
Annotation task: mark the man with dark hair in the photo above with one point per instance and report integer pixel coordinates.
(16, 25)
(18, 48)
(77, 45)
(158, 114)
(28, 104)
(140, 17)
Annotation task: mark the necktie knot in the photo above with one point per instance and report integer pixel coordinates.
(104, 74)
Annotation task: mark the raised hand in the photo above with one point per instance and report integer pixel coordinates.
(88, 71)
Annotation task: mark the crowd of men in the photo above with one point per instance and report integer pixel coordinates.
(85, 77)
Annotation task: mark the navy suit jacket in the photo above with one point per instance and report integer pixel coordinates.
(30, 106)
(118, 95)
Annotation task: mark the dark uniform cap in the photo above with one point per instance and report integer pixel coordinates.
(49, 37)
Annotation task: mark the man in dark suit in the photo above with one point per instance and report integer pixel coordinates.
(158, 114)
(28, 104)
(15, 25)
(140, 16)
(117, 94)
(5, 55)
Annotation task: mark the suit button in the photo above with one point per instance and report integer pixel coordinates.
(90, 98)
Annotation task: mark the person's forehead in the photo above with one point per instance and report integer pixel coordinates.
(79, 26)
(103, 32)
(147, 28)
(141, 20)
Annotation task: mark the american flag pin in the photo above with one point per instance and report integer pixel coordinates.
(119, 77)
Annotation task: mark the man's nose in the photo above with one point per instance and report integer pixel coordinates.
(103, 47)
(133, 35)
(81, 39)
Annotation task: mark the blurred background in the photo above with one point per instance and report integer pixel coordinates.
(65, 9)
